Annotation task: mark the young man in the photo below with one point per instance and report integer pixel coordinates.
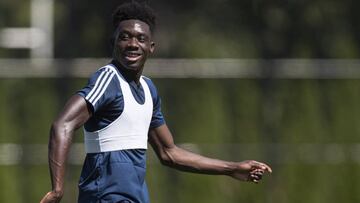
(120, 111)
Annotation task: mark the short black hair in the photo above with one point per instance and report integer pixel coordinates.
(134, 10)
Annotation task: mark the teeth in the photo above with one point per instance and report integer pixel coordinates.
(132, 55)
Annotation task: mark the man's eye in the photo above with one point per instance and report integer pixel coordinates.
(142, 38)
(124, 37)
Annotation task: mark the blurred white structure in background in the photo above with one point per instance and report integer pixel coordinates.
(39, 37)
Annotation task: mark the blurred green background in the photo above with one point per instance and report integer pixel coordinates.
(306, 129)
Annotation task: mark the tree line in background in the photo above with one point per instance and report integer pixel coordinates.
(207, 29)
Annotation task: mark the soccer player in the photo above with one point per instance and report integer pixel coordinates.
(120, 111)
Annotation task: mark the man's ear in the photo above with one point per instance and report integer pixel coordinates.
(152, 47)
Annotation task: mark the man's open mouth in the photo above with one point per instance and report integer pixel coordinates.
(132, 56)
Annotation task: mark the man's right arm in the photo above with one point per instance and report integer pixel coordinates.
(75, 113)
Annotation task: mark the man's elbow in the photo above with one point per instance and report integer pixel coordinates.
(166, 161)
(55, 127)
(59, 130)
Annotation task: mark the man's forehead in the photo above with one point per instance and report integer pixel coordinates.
(135, 25)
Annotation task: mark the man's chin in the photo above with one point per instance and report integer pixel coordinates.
(132, 67)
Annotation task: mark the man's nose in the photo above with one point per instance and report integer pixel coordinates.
(132, 43)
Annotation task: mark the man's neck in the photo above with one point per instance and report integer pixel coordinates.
(129, 75)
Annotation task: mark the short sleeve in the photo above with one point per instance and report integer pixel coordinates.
(157, 117)
(101, 88)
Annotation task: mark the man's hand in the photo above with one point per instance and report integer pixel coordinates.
(51, 197)
(251, 171)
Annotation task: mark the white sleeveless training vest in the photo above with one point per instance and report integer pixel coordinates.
(130, 129)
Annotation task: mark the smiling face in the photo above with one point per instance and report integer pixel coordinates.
(133, 44)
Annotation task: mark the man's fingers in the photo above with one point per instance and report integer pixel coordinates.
(263, 166)
(257, 172)
(255, 178)
(267, 168)
(256, 175)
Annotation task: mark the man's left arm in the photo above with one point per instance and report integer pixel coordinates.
(171, 155)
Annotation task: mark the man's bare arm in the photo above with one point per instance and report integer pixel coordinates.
(73, 116)
(171, 155)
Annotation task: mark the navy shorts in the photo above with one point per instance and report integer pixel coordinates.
(114, 177)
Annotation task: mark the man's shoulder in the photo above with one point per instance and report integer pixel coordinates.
(151, 86)
(103, 71)
(146, 78)
(148, 81)
(104, 78)
(107, 68)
